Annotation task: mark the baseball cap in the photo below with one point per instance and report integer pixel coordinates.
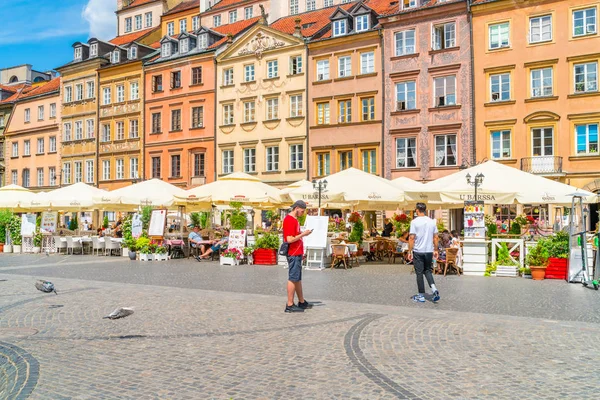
(299, 204)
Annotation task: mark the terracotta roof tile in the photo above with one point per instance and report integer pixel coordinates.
(426, 4)
(131, 37)
(136, 3)
(48, 87)
(11, 89)
(226, 3)
(236, 27)
(23, 89)
(186, 5)
(312, 21)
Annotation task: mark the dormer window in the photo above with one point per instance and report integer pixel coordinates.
(408, 4)
(94, 50)
(132, 52)
(203, 41)
(362, 23)
(166, 50)
(116, 56)
(78, 53)
(184, 45)
(340, 27)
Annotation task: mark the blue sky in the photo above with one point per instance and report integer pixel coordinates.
(41, 32)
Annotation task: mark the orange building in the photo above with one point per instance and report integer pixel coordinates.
(179, 106)
(536, 87)
(33, 137)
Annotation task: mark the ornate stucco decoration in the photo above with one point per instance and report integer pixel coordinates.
(259, 45)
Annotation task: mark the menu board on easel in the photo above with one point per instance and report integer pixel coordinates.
(158, 220)
(474, 220)
(49, 219)
(237, 239)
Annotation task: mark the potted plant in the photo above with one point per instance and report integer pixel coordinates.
(73, 223)
(160, 253)
(558, 255)
(237, 218)
(231, 257)
(131, 246)
(143, 246)
(537, 260)
(505, 265)
(525, 272)
(105, 222)
(401, 223)
(15, 233)
(358, 228)
(37, 241)
(266, 247)
(5, 218)
(248, 254)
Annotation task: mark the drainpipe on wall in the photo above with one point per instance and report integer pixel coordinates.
(473, 145)
(383, 98)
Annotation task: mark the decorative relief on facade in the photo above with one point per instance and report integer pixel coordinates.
(259, 45)
(269, 86)
(406, 120)
(119, 147)
(443, 116)
(120, 109)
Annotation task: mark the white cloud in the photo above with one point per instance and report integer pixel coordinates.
(100, 15)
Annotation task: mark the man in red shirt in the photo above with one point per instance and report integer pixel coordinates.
(292, 235)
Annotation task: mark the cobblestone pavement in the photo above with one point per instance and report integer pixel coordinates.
(201, 331)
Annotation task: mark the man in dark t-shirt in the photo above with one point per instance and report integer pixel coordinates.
(292, 235)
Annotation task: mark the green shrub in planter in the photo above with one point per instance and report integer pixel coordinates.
(73, 223)
(268, 241)
(105, 222)
(15, 230)
(537, 256)
(143, 245)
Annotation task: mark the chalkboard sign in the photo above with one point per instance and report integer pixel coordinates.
(317, 239)
(158, 220)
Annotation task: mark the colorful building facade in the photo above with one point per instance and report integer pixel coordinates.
(214, 13)
(428, 80)
(134, 16)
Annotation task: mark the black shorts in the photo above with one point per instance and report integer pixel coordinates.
(295, 268)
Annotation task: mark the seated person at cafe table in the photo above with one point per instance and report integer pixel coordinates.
(194, 237)
(216, 246)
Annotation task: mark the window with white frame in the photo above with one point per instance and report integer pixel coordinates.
(445, 91)
(272, 69)
(132, 53)
(78, 92)
(543, 142)
(500, 144)
(171, 28)
(91, 90)
(272, 109)
(52, 176)
(584, 22)
(120, 168)
(119, 130)
(369, 160)
(165, 50)
(327, 3)
(89, 128)
(406, 152)
(26, 182)
(78, 167)
(500, 87)
(134, 129)
(67, 131)
(128, 24)
(93, 50)
(66, 173)
(323, 113)
(106, 97)
(368, 108)
(148, 16)
(323, 166)
(203, 41)
(228, 114)
(78, 130)
(26, 148)
(345, 111)
(249, 160)
(182, 25)
(40, 145)
(586, 136)
(232, 16)
(228, 77)
(53, 110)
(120, 93)
(340, 27)
(40, 177)
(273, 158)
(405, 42)
(197, 117)
(445, 150)
(344, 66)
(541, 82)
(217, 20)
(52, 144)
(249, 111)
(133, 168)
(367, 63)
(406, 96)
(296, 156)
(184, 45)
(322, 70)
(15, 177)
(293, 7)
(195, 22)
(138, 22)
(296, 106)
(248, 12)
(540, 29)
(134, 91)
(27, 115)
(68, 94)
(499, 35)
(116, 56)
(40, 113)
(311, 5)
(89, 171)
(227, 156)
(105, 170)
(106, 133)
(78, 53)
(586, 77)
(345, 157)
(295, 65)
(361, 23)
(444, 36)
(249, 73)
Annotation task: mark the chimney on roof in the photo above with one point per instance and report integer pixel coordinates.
(298, 28)
(229, 38)
(263, 15)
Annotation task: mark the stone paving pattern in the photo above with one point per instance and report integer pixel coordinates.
(202, 331)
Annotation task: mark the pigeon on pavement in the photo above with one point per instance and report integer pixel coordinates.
(120, 312)
(45, 286)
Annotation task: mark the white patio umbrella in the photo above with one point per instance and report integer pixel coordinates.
(353, 188)
(76, 197)
(501, 185)
(236, 187)
(15, 197)
(153, 192)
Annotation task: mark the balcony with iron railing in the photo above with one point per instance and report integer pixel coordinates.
(543, 165)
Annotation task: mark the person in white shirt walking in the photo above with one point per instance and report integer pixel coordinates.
(422, 246)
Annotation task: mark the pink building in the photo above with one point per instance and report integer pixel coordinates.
(428, 89)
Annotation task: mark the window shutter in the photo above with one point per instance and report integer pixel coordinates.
(172, 79)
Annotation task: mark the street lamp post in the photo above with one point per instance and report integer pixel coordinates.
(320, 186)
(476, 182)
